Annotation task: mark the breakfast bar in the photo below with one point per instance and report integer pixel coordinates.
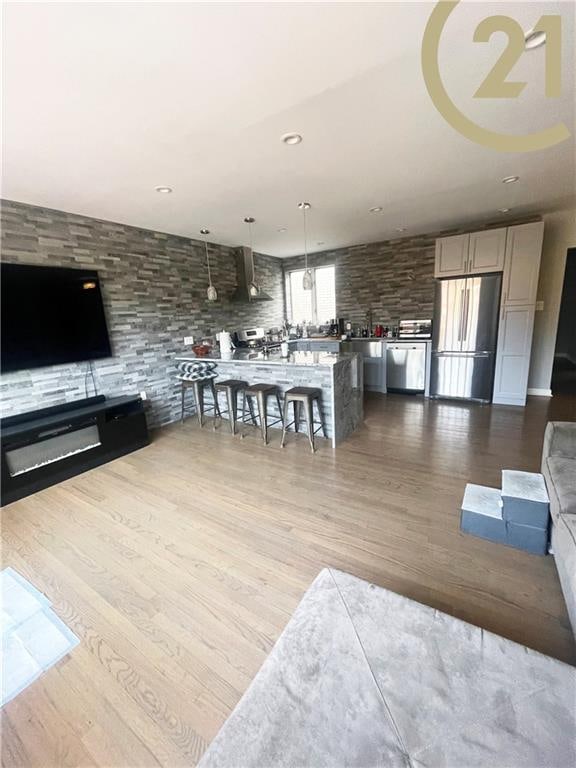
(337, 375)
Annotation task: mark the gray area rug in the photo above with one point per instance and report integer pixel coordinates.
(364, 677)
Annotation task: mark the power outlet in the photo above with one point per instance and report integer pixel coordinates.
(143, 395)
(189, 340)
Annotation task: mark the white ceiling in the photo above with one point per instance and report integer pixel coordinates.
(103, 102)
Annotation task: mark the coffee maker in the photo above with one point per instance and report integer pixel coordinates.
(337, 327)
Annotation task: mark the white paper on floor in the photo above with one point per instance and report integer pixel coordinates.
(33, 636)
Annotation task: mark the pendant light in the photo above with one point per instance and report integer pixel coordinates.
(253, 288)
(211, 291)
(307, 281)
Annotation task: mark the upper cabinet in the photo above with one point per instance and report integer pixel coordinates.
(523, 249)
(487, 251)
(473, 254)
(451, 255)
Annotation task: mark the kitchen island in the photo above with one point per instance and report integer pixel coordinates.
(338, 375)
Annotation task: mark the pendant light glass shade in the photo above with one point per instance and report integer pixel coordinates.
(253, 287)
(211, 292)
(307, 280)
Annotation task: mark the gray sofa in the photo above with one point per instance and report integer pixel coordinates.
(559, 470)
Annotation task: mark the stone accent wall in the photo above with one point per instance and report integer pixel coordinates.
(154, 288)
(394, 278)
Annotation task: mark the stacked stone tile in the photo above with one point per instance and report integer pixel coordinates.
(518, 515)
(154, 291)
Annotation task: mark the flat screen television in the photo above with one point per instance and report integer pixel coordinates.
(51, 315)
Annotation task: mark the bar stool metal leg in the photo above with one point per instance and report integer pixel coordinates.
(232, 399)
(263, 413)
(244, 398)
(280, 408)
(296, 415)
(320, 417)
(199, 398)
(252, 414)
(183, 393)
(284, 421)
(217, 413)
(309, 423)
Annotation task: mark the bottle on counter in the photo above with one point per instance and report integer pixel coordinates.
(284, 348)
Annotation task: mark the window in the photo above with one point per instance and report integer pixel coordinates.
(317, 306)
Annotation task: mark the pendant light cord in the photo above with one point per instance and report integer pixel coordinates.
(251, 251)
(207, 260)
(305, 240)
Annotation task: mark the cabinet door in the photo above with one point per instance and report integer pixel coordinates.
(513, 355)
(374, 374)
(451, 256)
(486, 252)
(522, 264)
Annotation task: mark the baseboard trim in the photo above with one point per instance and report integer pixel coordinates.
(539, 392)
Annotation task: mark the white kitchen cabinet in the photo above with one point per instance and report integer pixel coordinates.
(451, 255)
(513, 355)
(474, 254)
(518, 304)
(522, 264)
(486, 251)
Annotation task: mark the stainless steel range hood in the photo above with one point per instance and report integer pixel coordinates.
(245, 276)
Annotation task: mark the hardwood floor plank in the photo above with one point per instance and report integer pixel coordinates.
(178, 566)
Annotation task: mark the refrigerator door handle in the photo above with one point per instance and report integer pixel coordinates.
(461, 318)
(465, 311)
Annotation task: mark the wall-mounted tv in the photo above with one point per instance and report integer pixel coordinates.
(51, 315)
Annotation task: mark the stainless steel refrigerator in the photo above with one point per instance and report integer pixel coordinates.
(464, 337)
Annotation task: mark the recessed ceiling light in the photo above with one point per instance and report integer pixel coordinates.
(400, 229)
(510, 179)
(504, 210)
(163, 190)
(291, 138)
(375, 209)
(282, 229)
(534, 39)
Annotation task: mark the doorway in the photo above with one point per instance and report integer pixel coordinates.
(564, 370)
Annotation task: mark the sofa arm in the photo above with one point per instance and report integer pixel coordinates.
(560, 439)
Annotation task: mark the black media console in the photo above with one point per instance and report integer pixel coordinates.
(44, 447)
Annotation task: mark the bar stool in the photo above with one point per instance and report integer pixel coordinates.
(261, 392)
(305, 396)
(198, 376)
(232, 387)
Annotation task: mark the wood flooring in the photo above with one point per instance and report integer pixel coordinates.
(178, 566)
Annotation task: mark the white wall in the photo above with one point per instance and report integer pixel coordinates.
(559, 235)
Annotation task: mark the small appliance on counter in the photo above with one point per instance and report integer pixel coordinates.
(253, 338)
(226, 345)
(415, 329)
(337, 327)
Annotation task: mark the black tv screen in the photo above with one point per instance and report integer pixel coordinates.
(51, 315)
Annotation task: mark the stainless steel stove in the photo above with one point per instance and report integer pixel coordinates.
(254, 338)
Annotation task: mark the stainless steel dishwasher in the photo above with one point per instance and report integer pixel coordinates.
(405, 366)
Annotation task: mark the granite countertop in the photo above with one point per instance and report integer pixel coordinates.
(337, 340)
(329, 359)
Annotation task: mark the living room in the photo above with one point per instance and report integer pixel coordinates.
(287, 398)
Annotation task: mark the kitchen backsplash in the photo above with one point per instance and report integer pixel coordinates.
(154, 289)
